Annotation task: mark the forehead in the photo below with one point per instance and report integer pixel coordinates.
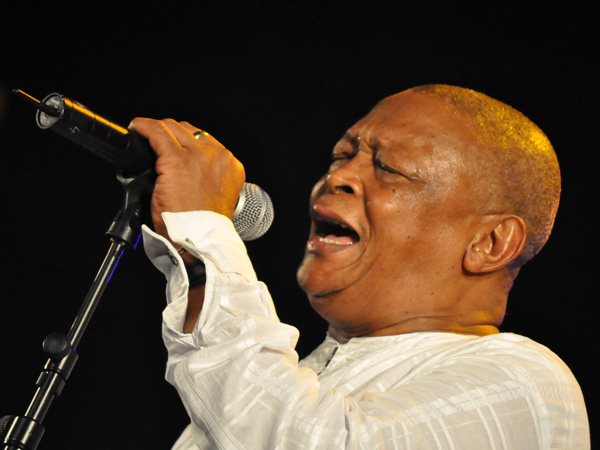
(420, 134)
(413, 117)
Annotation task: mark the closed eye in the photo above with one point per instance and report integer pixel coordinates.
(379, 164)
(336, 158)
(341, 155)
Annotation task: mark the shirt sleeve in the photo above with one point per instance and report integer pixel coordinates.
(237, 373)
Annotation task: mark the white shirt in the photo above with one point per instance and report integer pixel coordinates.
(239, 378)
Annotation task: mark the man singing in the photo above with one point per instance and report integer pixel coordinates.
(432, 204)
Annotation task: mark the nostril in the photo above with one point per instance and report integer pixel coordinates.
(339, 182)
(346, 189)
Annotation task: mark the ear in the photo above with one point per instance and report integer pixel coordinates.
(496, 246)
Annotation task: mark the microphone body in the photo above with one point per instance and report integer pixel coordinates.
(126, 149)
(132, 155)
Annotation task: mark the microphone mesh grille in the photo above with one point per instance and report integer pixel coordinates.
(254, 213)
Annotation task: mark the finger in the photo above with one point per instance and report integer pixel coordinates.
(191, 128)
(184, 136)
(199, 134)
(161, 132)
(192, 138)
(159, 135)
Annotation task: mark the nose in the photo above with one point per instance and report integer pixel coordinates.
(345, 179)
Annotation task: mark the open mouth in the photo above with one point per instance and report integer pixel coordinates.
(331, 231)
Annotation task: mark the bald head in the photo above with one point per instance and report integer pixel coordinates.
(516, 166)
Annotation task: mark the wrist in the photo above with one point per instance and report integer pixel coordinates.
(195, 268)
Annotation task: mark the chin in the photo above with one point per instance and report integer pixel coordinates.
(312, 281)
(303, 274)
(318, 291)
(306, 282)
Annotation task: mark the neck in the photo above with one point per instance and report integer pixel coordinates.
(414, 326)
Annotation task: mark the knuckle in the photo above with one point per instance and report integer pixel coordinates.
(159, 126)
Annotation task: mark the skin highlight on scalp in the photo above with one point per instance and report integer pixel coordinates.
(515, 163)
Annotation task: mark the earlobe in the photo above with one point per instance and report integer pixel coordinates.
(497, 246)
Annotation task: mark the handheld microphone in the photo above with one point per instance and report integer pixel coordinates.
(132, 155)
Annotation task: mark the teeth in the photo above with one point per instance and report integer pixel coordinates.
(332, 241)
(328, 223)
(340, 224)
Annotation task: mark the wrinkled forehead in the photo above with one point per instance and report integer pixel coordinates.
(417, 108)
(416, 118)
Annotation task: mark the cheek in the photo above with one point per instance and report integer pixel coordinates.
(399, 201)
(411, 232)
(395, 216)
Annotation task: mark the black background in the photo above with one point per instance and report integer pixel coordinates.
(278, 84)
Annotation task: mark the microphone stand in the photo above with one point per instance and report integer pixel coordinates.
(25, 432)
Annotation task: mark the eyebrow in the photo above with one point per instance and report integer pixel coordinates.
(355, 139)
(349, 139)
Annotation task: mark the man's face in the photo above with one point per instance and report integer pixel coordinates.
(392, 218)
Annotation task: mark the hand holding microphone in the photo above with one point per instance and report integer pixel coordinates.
(194, 170)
